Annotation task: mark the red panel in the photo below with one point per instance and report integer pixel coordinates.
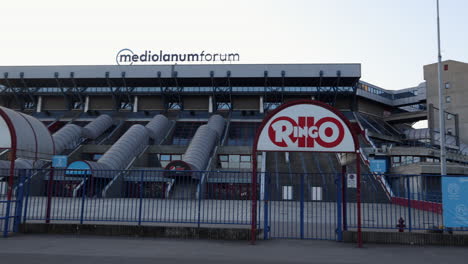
(420, 205)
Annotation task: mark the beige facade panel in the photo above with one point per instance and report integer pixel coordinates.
(246, 103)
(101, 103)
(455, 89)
(150, 103)
(54, 103)
(196, 102)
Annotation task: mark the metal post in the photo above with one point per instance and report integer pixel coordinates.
(339, 219)
(83, 197)
(7, 218)
(26, 199)
(457, 129)
(266, 228)
(443, 158)
(358, 198)
(49, 194)
(408, 196)
(343, 197)
(302, 207)
(141, 197)
(200, 190)
(19, 203)
(254, 196)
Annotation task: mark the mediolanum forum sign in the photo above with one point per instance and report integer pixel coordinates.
(130, 57)
(307, 126)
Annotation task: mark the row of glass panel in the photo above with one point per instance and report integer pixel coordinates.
(206, 89)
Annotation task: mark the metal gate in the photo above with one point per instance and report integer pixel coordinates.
(302, 206)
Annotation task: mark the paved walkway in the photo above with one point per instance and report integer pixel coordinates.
(87, 249)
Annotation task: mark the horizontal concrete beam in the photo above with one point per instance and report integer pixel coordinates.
(407, 238)
(406, 117)
(169, 231)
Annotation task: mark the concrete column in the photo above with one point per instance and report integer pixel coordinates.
(86, 104)
(135, 104)
(39, 104)
(210, 104)
(457, 129)
(261, 105)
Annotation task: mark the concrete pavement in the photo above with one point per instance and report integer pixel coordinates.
(89, 249)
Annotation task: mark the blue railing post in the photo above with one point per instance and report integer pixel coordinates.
(19, 203)
(408, 195)
(302, 206)
(266, 229)
(83, 198)
(200, 191)
(7, 218)
(339, 219)
(343, 197)
(27, 188)
(141, 197)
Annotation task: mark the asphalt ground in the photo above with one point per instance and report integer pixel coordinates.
(54, 249)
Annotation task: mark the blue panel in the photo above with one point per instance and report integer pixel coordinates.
(378, 165)
(78, 167)
(59, 161)
(455, 201)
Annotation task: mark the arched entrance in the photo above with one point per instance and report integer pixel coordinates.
(305, 126)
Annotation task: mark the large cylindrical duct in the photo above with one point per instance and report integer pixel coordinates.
(67, 137)
(96, 127)
(19, 164)
(130, 145)
(33, 139)
(158, 128)
(198, 153)
(217, 123)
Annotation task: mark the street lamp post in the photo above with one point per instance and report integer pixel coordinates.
(443, 158)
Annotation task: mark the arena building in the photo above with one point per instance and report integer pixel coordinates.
(204, 117)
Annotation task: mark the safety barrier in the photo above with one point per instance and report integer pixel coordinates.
(142, 196)
(416, 204)
(290, 205)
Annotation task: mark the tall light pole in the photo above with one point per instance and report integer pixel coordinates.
(443, 158)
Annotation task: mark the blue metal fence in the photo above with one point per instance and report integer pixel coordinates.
(141, 196)
(11, 209)
(414, 201)
(291, 205)
(302, 206)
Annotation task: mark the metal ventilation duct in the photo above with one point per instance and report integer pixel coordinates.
(157, 128)
(19, 164)
(96, 127)
(217, 123)
(198, 153)
(67, 137)
(33, 139)
(130, 145)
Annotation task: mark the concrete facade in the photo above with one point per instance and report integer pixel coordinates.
(455, 82)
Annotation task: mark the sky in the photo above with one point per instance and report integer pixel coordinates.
(392, 39)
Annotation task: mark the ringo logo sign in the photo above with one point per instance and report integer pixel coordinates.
(306, 127)
(328, 132)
